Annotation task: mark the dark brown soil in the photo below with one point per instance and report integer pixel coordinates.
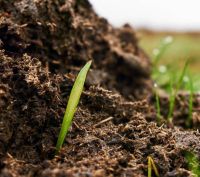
(43, 45)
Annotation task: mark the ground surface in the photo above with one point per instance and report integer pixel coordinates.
(43, 46)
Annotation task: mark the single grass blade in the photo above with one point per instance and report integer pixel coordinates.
(175, 91)
(154, 167)
(182, 76)
(150, 165)
(72, 104)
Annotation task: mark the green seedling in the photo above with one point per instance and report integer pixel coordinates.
(151, 165)
(193, 163)
(174, 91)
(72, 104)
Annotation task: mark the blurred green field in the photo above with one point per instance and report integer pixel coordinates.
(183, 46)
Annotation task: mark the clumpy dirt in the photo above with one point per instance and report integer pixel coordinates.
(43, 45)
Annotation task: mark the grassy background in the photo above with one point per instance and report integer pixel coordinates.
(184, 46)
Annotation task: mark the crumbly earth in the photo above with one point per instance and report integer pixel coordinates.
(43, 45)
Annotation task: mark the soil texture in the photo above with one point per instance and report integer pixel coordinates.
(43, 45)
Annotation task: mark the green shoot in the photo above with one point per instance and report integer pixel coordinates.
(158, 113)
(150, 165)
(160, 73)
(180, 81)
(174, 92)
(193, 163)
(72, 104)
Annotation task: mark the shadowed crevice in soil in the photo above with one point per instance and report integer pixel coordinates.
(43, 46)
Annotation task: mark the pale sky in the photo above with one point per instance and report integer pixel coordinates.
(155, 14)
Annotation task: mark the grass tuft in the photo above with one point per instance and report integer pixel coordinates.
(72, 104)
(168, 77)
(193, 163)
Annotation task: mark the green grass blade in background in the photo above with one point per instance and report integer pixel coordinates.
(175, 90)
(180, 81)
(72, 104)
